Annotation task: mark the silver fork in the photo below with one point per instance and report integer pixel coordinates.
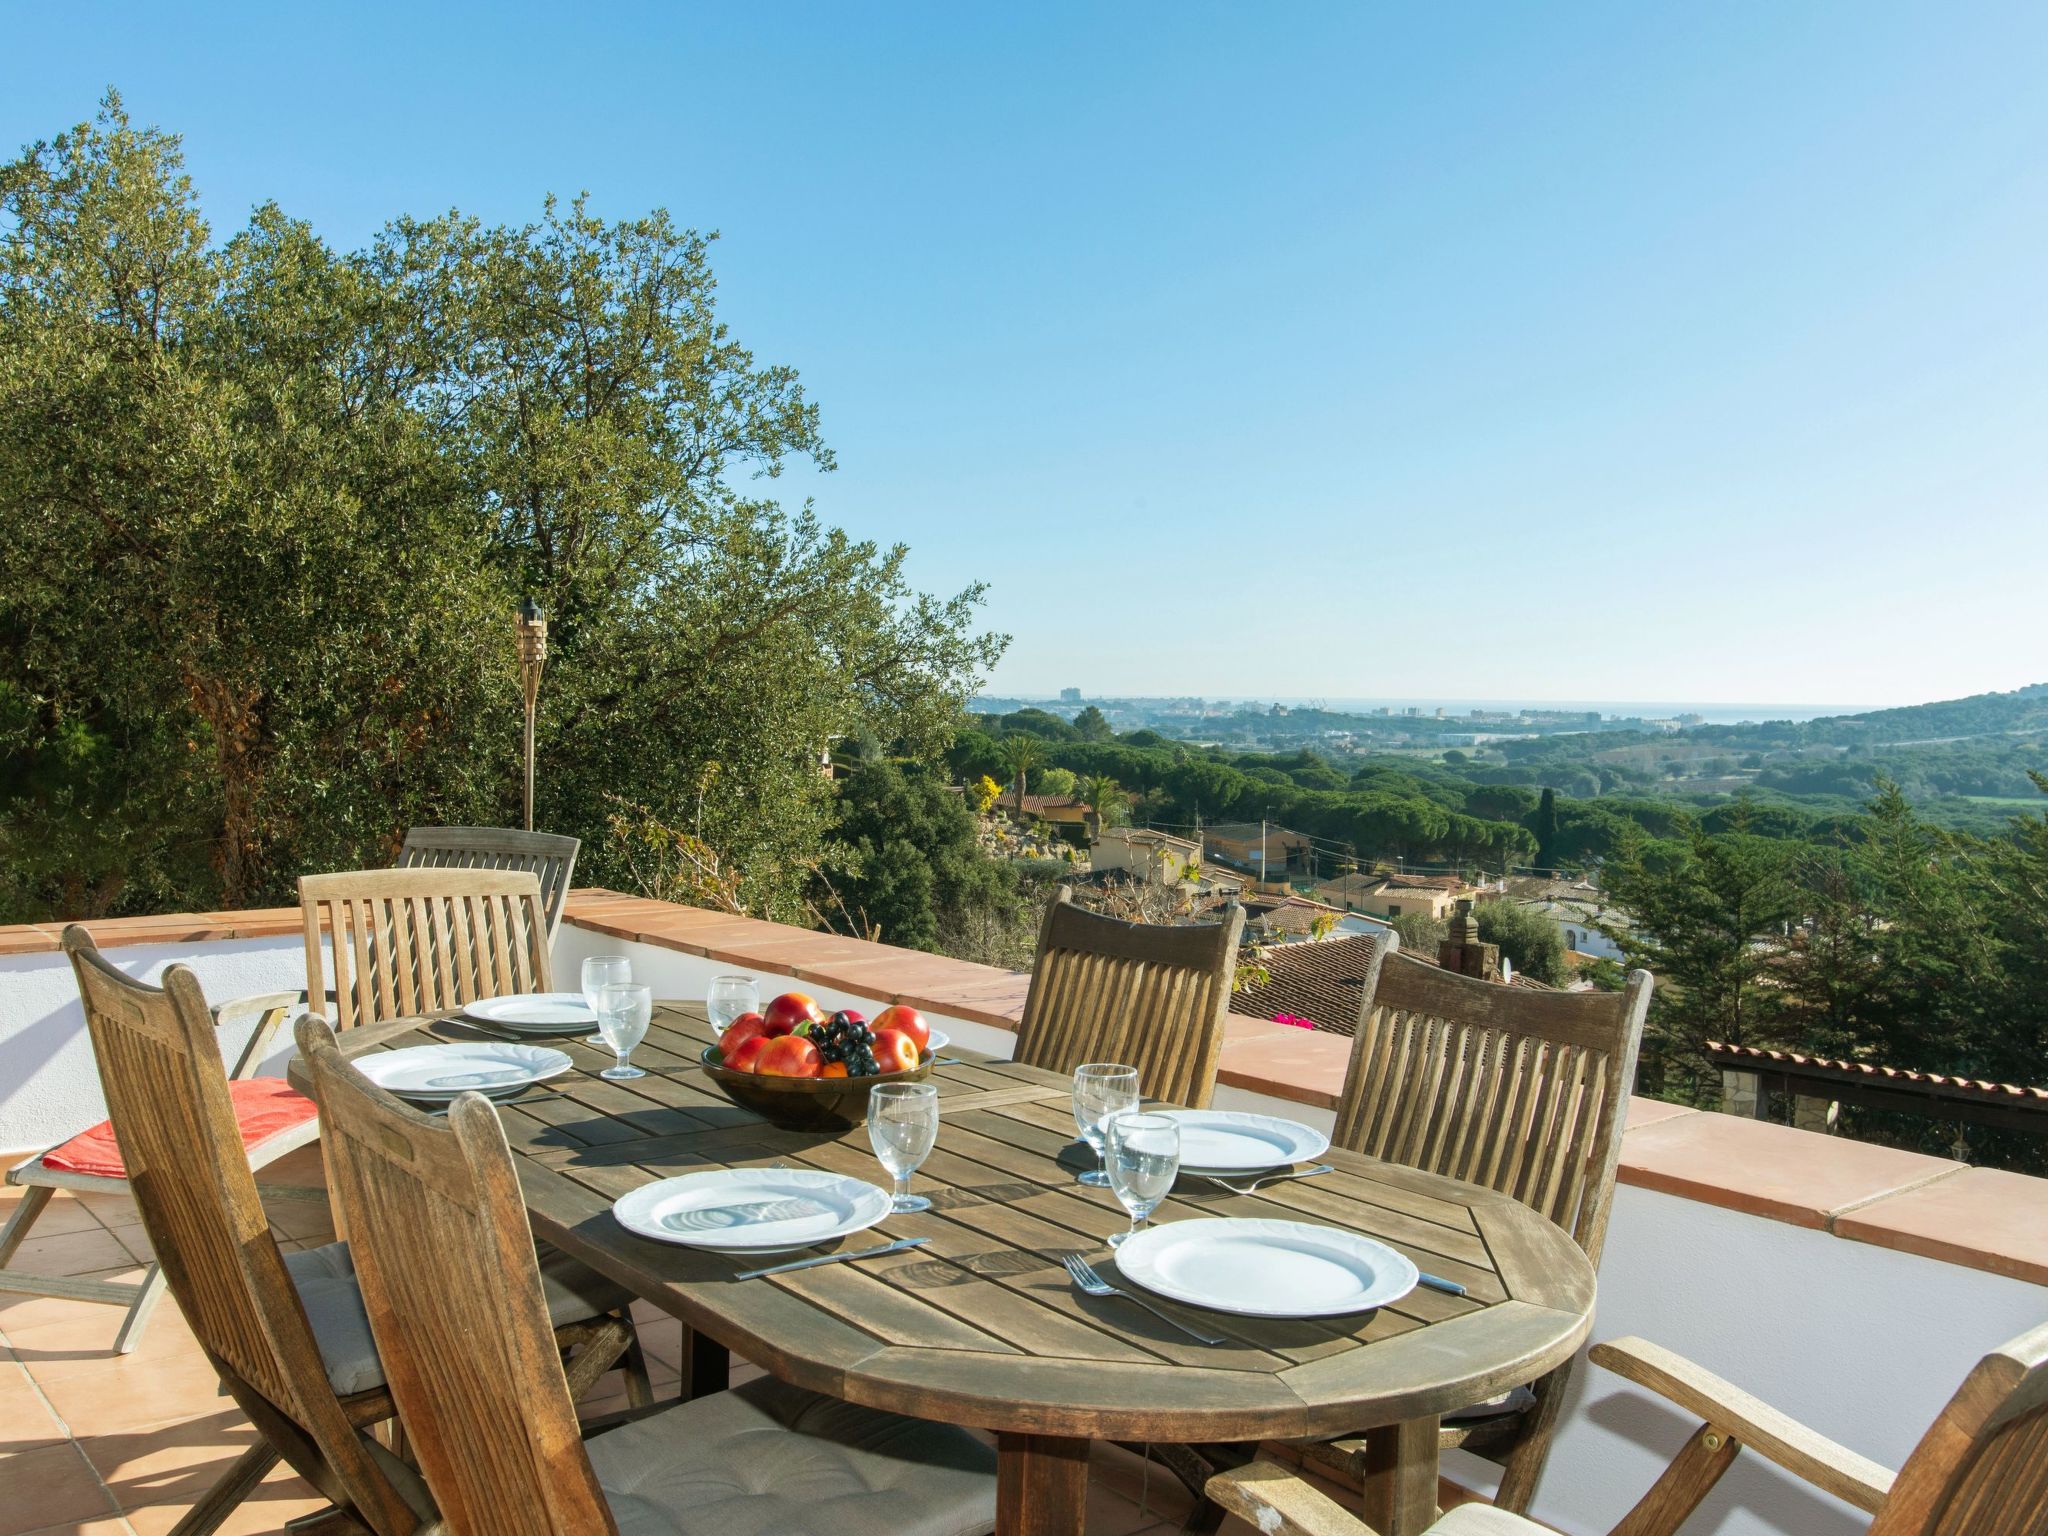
(1269, 1178)
(1089, 1281)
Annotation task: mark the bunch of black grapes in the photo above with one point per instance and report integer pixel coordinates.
(846, 1037)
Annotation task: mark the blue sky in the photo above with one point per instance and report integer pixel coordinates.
(1570, 351)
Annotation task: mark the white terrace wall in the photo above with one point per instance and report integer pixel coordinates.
(49, 1088)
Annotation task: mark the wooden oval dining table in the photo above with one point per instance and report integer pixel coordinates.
(981, 1326)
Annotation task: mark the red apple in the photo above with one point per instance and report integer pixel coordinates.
(748, 1026)
(895, 1051)
(746, 1057)
(789, 1056)
(910, 1021)
(785, 1012)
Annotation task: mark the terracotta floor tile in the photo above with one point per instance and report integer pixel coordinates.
(113, 1526)
(282, 1496)
(1150, 1486)
(49, 1487)
(170, 1463)
(26, 1422)
(70, 1253)
(38, 1325)
(123, 1393)
(64, 1213)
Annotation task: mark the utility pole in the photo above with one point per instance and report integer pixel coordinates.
(1262, 851)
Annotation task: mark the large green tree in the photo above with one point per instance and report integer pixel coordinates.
(265, 509)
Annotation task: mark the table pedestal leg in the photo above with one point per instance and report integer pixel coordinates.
(1400, 1477)
(1041, 1485)
(707, 1365)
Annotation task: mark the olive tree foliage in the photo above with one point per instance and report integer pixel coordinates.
(266, 508)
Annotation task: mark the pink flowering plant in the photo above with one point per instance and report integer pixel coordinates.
(1295, 1019)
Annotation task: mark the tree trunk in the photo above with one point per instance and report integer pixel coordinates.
(232, 714)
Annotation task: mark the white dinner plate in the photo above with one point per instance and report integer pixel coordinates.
(538, 1013)
(752, 1210)
(1266, 1268)
(1229, 1141)
(439, 1072)
(938, 1042)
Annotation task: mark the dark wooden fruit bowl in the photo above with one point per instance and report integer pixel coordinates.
(806, 1103)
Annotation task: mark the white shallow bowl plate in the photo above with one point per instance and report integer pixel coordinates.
(752, 1210)
(939, 1041)
(439, 1072)
(1228, 1141)
(1266, 1268)
(543, 1013)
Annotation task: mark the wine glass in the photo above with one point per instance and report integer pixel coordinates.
(1144, 1160)
(728, 998)
(903, 1122)
(622, 1014)
(1101, 1089)
(599, 972)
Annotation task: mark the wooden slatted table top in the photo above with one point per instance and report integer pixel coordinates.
(981, 1326)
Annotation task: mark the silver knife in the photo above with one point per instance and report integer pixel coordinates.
(898, 1246)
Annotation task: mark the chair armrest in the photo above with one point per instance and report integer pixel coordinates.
(1777, 1437)
(271, 1009)
(1278, 1501)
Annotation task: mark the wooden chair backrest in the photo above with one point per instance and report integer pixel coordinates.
(1982, 1468)
(409, 941)
(446, 1262)
(167, 1096)
(1148, 995)
(1522, 1090)
(548, 856)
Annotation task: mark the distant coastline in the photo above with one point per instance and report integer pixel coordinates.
(1710, 714)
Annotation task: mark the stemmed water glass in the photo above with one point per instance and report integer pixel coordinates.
(622, 1014)
(903, 1122)
(1144, 1160)
(1101, 1089)
(728, 998)
(599, 972)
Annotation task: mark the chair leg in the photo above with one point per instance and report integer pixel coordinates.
(639, 1385)
(226, 1496)
(34, 1200)
(147, 1295)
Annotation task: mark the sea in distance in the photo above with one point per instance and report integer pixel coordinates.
(1712, 714)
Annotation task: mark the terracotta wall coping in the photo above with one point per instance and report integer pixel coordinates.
(1980, 1218)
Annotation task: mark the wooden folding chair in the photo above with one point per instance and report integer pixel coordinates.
(411, 941)
(1521, 1090)
(548, 856)
(287, 1334)
(1980, 1470)
(435, 1208)
(1148, 995)
(91, 1163)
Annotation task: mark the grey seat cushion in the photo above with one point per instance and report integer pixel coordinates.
(326, 1278)
(1514, 1400)
(767, 1459)
(1485, 1520)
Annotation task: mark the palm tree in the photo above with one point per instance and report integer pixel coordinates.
(1101, 792)
(1022, 752)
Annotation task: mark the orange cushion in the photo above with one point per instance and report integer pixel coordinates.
(264, 1106)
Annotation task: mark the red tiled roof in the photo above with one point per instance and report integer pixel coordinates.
(1324, 982)
(1886, 1077)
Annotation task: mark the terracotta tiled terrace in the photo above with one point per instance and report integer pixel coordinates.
(1770, 1254)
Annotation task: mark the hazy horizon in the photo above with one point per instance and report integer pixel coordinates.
(1618, 351)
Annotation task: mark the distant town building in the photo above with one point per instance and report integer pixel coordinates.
(1395, 895)
(1258, 849)
(1147, 854)
(1070, 695)
(1578, 908)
